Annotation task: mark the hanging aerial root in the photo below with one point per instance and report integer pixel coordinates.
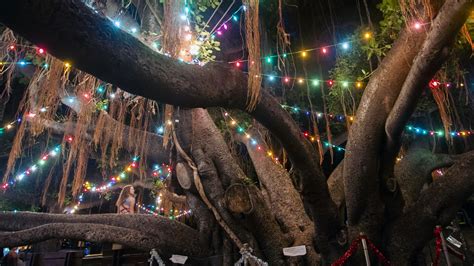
(252, 35)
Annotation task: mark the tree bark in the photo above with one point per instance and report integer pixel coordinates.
(363, 167)
(98, 47)
(436, 205)
(413, 172)
(140, 231)
(285, 200)
(434, 52)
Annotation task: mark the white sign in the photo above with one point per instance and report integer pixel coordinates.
(179, 259)
(294, 251)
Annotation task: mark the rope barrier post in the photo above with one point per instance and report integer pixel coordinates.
(366, 250)
(445, 247)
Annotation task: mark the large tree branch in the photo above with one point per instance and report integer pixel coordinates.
(285, 200)
(363, 165)
(365, 142)
(435, 205)
(444, 29)
(413, 172)
(98, 47)
(85, 231)
(155, 229)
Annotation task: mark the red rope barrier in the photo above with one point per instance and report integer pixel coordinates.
(437, 233)
(377, 252)
(353, 248)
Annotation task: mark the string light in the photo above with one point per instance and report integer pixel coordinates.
(42, 161)
(345, 45)
(438, 133)
(240, 130)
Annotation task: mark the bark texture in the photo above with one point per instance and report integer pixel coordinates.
(428, 61)
(98, 47)
(435, 206)
(139, 231)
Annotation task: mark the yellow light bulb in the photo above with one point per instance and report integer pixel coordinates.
(367, 35)
(300, 81)
(304, 54)
(67, 64)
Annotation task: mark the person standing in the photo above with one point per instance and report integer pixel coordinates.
(126, 200)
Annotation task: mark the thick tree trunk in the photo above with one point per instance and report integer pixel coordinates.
(436, 205)
(208, 143)
(364, 169)
(434, 52)
(285, 200)
(362, 159)
(98, 47)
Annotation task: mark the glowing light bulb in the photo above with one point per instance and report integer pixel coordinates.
(345, 46)
(359, 84)
(67, 64)
(300, 81)
(235, 18)
(269, 59)
(271, 78)
(324, 50)
(237, 64)
(41, 50)
(417, 25)
(133, 30)
(367, 35)
(330, 82)
(22, 63)
(117, 23)
(287, 80)
(304, 54)
(161, 130)
(233, 122)
(11, 47)
(315, 82)
(345, 84)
